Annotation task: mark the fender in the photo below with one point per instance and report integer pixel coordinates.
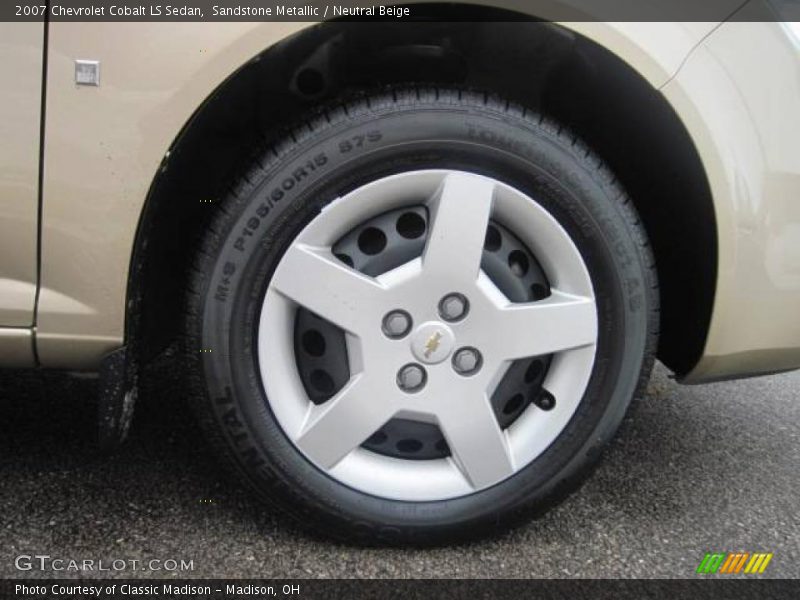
(105, 144)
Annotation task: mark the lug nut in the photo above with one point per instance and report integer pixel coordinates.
(396, 324)
(467, 361)
(453, 307)
(411, 378)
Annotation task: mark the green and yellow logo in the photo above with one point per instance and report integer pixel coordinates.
(735, 562)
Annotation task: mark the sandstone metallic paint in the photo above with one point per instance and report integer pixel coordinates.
(16, 347)
(20, 103)
(739, 95)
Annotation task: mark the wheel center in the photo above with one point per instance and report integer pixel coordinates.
(432, 342)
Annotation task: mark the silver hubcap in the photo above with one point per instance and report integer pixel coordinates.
(444, 370)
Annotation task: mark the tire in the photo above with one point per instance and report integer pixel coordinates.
(336, 153)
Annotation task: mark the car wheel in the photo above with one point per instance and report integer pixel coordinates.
(420, 317)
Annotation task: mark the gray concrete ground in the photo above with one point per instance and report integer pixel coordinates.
(693, 469)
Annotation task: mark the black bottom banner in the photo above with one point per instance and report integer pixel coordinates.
(405, 589)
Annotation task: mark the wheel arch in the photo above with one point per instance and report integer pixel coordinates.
(607, 96)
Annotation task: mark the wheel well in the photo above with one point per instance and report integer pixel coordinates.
(567, 76)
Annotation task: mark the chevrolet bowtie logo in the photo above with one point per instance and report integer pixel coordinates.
(432, 345)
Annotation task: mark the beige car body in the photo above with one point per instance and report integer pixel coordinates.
(103, 146)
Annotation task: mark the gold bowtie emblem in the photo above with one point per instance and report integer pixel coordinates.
(432, 345)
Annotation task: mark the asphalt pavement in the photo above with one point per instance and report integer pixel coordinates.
(693, 470)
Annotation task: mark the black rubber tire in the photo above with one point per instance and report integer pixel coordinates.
(337, 150)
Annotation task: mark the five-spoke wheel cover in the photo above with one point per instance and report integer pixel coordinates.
(405, 244)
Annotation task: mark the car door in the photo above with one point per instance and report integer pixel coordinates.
(21, 57)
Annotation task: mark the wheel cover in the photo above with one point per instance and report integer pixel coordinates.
(482, 448)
